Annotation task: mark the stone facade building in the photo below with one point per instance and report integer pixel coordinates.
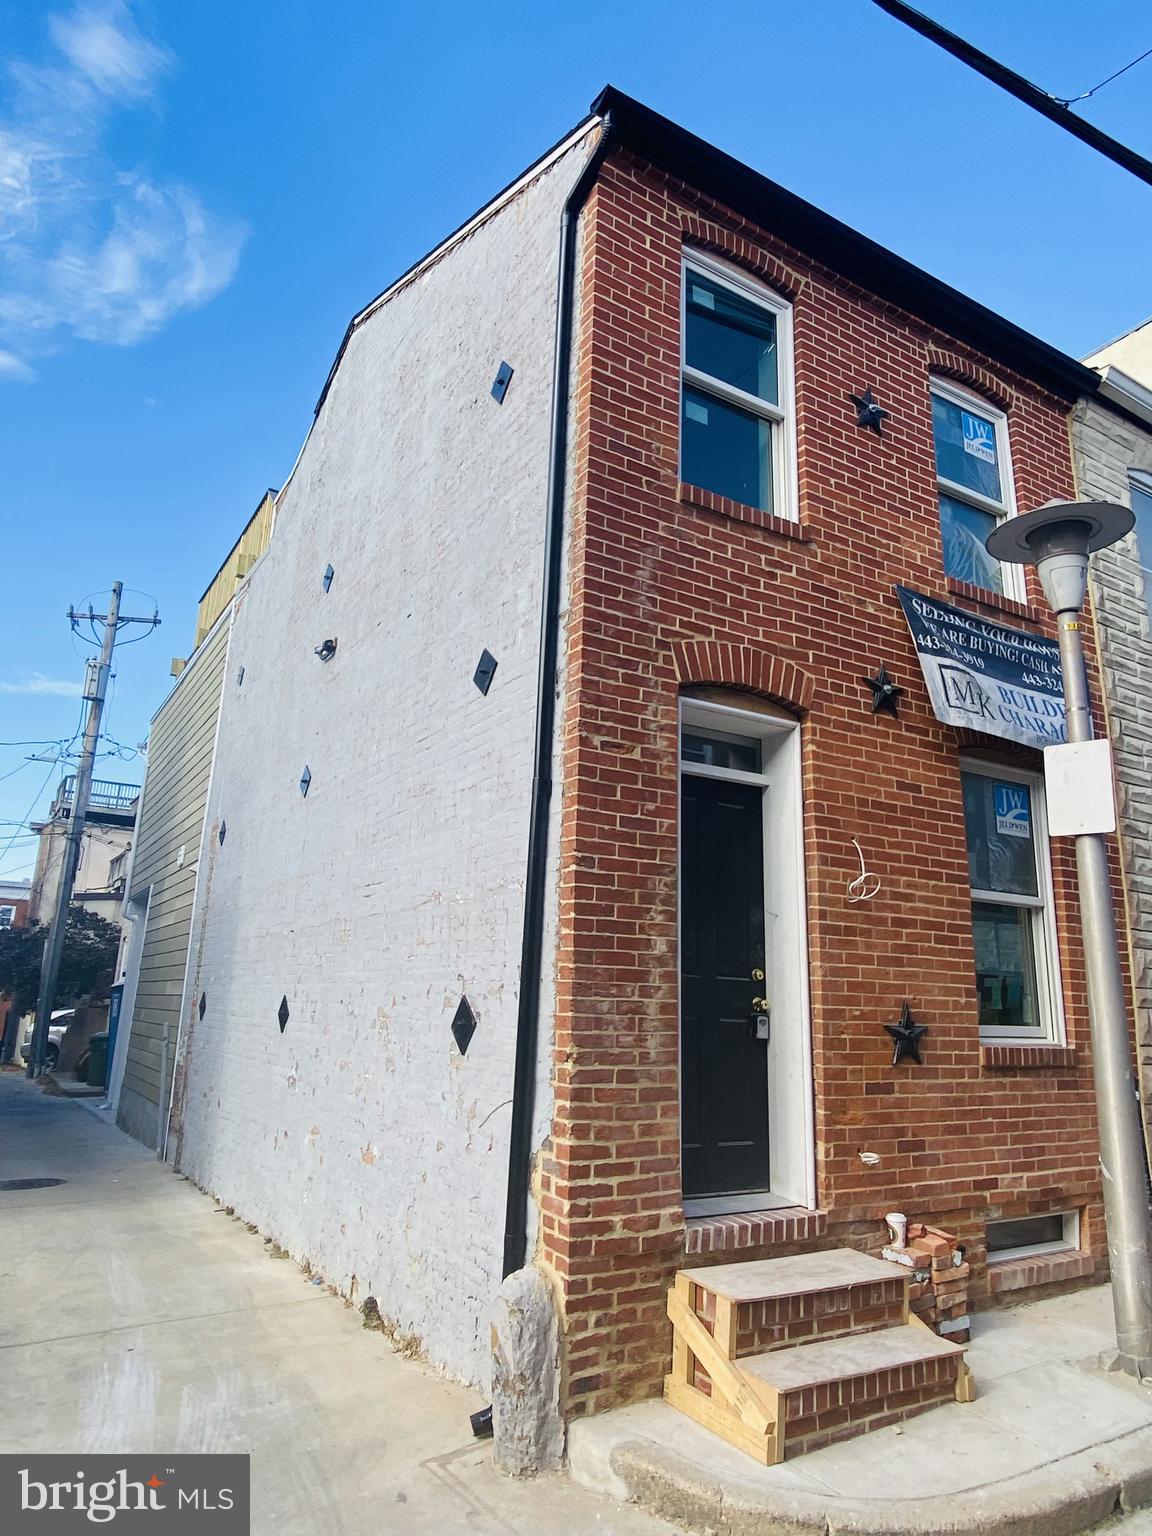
(569, 866)
(1112, 444)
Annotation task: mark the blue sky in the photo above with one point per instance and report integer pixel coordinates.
(194, 199)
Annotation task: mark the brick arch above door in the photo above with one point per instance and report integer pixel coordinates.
(725, 664)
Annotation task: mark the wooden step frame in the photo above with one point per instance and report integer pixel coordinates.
(746, 1412)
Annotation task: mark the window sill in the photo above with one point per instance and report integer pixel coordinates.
(738, 511)
(995, 600)
(993, 1056)
(1039, 1269)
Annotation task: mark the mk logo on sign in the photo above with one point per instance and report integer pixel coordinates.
(962, 691)
(183, 1494)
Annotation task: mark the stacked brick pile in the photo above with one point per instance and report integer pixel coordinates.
(939, 1286)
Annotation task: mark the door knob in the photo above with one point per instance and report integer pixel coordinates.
(757, 975)
(760, 1005)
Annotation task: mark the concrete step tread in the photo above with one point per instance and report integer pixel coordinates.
(799, 1274)
(858, 1354)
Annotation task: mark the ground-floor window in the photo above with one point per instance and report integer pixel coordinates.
(1017, 975)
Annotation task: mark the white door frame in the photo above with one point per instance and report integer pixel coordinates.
(788, 1090)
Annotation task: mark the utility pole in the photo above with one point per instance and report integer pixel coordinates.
(95, 688)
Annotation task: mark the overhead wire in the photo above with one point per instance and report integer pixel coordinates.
(1067, 101)
(32, 806)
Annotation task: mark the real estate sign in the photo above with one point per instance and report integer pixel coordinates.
(986, 676)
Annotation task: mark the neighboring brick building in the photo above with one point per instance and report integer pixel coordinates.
(14, 896)
(742, 872)
(1112, 445)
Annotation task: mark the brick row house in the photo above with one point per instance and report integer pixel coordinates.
(582, 842)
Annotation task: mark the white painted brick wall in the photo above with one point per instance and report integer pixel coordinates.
(360, 1138)
(1106, 446)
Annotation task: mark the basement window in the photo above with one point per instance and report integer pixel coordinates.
(974, 480)
(1023, 1236)
(736, 400)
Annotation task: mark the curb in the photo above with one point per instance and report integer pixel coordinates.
(1063, 1498)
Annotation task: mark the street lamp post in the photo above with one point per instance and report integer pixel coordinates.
(1058, 539)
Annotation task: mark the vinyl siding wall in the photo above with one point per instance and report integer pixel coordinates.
(171, 818)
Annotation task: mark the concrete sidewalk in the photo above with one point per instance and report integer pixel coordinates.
(1051, 1446)
(137, 1316)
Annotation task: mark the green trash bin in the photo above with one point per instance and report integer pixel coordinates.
(98, 1059)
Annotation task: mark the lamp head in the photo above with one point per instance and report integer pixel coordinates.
(1057, 539)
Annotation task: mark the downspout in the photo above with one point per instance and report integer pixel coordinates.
(536, 876)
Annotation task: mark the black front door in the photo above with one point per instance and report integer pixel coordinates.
(723, 1067)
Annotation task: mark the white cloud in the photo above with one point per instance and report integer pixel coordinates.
(36, 682)
(91, 250)
(105, 46)
(13, 367)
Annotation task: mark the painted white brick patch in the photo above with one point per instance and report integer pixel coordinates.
(360, 1138)
(1106, 446)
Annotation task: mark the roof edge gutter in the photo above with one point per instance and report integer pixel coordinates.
(1128, 393)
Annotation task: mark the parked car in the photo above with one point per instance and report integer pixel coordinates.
(57, 1024)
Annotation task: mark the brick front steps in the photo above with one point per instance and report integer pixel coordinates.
(782, 1356)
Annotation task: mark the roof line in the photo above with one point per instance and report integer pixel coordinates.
(485, 211)
(847, 252)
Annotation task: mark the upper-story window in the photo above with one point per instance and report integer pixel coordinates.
(974, 476)
(1140, 487)
(736, 408)
(7, 916)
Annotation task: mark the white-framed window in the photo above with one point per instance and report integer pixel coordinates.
(737, 420)
(1013, 931)
(1022, 1237)
(1140, 493)
(7, 916)
(974, 480)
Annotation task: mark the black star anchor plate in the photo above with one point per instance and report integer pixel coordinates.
(906, 1037)
(885, 694)
(869, 412)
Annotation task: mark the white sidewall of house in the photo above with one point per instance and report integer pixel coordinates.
(359, 1137)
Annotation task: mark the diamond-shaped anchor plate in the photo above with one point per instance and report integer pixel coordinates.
(485, 671)
(463, 1025)
(283, 1013)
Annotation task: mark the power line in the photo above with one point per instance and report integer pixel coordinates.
(1044, 102)
(1066, 101)
(7, 847)
(12, 772)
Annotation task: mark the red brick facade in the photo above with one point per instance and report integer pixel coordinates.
(674, 589)
(9, 1020)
